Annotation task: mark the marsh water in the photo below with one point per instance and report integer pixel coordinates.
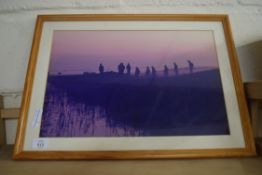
(112, 105)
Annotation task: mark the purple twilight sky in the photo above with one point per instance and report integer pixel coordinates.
(82, 51)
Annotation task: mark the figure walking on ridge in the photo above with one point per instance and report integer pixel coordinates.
(153, 71)
(175, 68)
(147, 71)
(121, 68)
(165, 71)
(137, 72)
(191, 66)
(128, 69)
(101, 69)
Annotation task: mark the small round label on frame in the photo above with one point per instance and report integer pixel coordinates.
(40, 144)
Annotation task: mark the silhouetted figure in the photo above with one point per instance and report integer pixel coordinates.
(128, 69)
(137, 72)
(121, 68)
(153, 71)
(147, 71)
(175, 68)
(101, 69)
(165, 71)
(191, 66)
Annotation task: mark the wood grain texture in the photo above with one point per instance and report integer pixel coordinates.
(145, 154)
(254, 94)
(9, 113)
(242, 103)
(259, 145)
(213, 166)
(255, 117)
(22, 120)
(254, 90)
(249, 149)
(132, 17)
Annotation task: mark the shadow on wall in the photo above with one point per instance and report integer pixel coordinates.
(250, 60)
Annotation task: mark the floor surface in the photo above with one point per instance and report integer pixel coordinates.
(219, 166)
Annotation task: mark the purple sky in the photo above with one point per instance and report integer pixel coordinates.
(83, 51)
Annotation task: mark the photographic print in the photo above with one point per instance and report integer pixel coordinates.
(133, 83)
(133, 87)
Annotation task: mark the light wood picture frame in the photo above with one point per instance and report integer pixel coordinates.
(133, 87)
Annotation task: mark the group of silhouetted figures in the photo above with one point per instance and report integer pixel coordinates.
(149, 71)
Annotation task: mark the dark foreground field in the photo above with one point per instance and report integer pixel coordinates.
(124, 105)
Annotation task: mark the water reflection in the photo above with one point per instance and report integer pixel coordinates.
(114, 105)
(63, 117)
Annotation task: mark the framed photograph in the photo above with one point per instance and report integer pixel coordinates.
(133, 87)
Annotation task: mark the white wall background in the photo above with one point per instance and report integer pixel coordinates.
(17, 20)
